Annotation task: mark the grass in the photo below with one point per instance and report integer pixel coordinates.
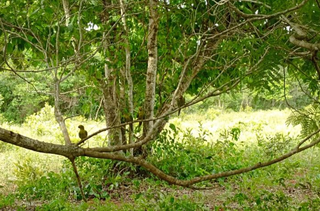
(265, 122)
(219, 142)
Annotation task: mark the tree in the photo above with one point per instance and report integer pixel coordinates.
(149, 54)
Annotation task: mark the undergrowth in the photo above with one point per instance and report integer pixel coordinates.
(184, 152)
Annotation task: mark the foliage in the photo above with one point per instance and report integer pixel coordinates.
(182, 154)
(49, 186)
(178, 158)
(43, 123)
(108, 183)
(275, 145)
(26, 171)
(169, 202)
(6, 201)
(28, 83)
(307, 117)
(108, 175)
(18, 99)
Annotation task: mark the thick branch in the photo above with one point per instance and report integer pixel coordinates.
(69, 151)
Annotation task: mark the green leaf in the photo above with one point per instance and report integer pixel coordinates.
(173, 127)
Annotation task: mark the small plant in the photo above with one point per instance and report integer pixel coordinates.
(6, 201)
(274, 145)
(27, 171)
(272, 201)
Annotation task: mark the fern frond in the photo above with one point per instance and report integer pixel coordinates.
(308, 118)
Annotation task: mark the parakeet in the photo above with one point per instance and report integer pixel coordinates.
(126, 117)
(82, 133)
(141, 115)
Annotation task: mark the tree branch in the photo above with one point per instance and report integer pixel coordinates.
(72, 151)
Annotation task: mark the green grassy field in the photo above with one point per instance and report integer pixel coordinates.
(199, 144)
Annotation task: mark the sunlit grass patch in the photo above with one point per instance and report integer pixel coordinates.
(249, 123)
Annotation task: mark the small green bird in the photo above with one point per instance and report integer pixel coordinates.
(141, 115)
(82, 133)
(126, 117)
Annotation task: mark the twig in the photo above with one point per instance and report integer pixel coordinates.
(78, 178)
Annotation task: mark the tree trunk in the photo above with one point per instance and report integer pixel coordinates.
(152, 66)
(58, 114)
(110, 106)
(127, 70)
(108, 84)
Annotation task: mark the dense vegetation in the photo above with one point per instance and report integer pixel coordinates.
(227, 140)
(151, 82)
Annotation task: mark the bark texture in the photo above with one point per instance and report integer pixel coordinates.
(152, 65)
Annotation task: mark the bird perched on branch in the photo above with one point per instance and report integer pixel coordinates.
(126, 117)
(180, 101)
(82, 133)
(141, 115)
